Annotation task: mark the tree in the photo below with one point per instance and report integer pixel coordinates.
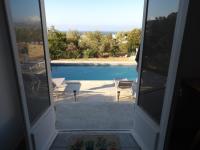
(73, 37)
(57, 41)
(105, 45)
(57, 44)
(90, 40)
(115, 48)
(133, 40)
(71, 47)
(72, 51)
(122, 41)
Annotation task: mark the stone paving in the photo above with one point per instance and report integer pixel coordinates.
(93, 91)
(96, 107)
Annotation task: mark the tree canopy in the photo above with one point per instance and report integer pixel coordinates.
(74, 44)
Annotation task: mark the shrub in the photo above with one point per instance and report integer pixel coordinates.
(89, 53)
(57, 54)
(73, 54)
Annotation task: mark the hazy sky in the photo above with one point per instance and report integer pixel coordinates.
(102, 15)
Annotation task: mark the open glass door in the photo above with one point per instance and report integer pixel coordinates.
(157, 46)
(158, 32)
(27, 22)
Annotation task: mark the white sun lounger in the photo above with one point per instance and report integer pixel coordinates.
(59, 86)
(124, 84)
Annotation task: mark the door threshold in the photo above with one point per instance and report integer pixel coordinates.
(81, 139)
(93, 130)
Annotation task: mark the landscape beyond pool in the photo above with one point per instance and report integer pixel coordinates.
(94, 72)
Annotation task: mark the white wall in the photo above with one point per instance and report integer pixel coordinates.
(11, 118)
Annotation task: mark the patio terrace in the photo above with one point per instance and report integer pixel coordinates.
(96, 106)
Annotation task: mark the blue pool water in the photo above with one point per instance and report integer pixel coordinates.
(93, 72)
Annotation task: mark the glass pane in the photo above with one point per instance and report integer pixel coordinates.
(27, 22)
(159, 31)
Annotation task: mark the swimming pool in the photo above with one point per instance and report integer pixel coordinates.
(93, 72)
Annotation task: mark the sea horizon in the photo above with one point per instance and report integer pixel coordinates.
(102, 31)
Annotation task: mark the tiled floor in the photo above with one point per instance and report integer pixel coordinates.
(127, 141)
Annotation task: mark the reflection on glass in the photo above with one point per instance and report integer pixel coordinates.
(159, 31)
(27, 23)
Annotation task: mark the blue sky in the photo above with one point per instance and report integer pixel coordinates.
(91, 15)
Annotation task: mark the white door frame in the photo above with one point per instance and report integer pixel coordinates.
(42, 133)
